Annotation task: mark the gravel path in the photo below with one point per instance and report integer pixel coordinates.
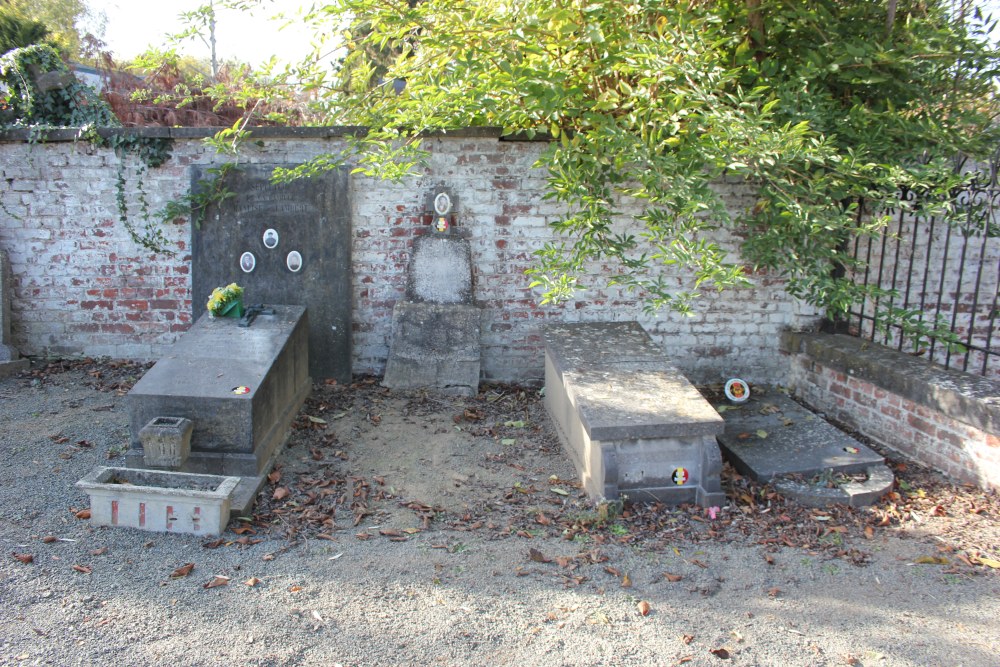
(501, 572)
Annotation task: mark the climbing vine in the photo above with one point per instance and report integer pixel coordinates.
(42, 94)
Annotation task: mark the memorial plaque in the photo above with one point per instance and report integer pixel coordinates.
(440, 270)
(308, 217)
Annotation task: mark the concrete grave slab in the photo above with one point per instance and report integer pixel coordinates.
(260, 227)
(771, 438)
(633, 425)
(240, 387)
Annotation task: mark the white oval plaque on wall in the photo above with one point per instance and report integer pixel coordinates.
(294, 261)
(270, 238)
(248, 262)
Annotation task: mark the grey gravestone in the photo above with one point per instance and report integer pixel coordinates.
(440, 270)
(436, 331)
(10, 361)
(297, 239)
(241, 387)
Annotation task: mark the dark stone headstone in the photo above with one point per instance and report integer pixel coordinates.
(241, 387)
(295, 239)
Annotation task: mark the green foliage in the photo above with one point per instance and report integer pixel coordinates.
(17, 31)
(41, 91)
(61, 19)
(824, 109)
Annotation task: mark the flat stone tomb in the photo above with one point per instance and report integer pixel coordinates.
(773, 438)
(631, 422)
(241, 388)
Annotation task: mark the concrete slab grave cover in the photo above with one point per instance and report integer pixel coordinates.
(631, 422)
(240, 387)
(771, 438)
(10, 359)
(288, 244)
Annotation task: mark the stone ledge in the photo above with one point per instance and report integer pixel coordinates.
(971, 399)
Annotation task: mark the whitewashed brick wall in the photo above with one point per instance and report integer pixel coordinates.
(82, 287)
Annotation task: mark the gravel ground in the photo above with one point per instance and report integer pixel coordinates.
(451, 534)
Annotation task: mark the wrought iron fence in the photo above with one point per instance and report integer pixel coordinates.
(946, 274)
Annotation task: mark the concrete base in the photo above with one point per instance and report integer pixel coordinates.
(159, 500)
(8, 368)
(879, 481)
(234, 433)
(633, 425)
(435, 346)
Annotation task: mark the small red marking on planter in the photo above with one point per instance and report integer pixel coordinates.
(142, 514)
(196, 519)
(114, 512)
(170, 517)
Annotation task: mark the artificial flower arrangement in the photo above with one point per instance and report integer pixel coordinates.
(226, 301)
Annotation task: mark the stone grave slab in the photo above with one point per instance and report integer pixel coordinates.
(440, 270)
(10, 359)
(631, 422)
(288, 243)
(240, 387)
(435, 345)
(772, 438)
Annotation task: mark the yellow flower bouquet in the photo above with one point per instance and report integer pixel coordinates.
(226, 301)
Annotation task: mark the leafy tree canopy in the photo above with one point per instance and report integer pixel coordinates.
(824, 108)
(17, 32)
(62, 18)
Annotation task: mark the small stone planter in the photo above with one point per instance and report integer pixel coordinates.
(159, 500)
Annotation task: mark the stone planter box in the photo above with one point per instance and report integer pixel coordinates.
(159, 500)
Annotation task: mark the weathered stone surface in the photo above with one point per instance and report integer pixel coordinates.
(10, 359)
(166, 442)
(632, 424)
(234, 433)
(440, 270)
(435, 346)
(796, 441)
(160, 501)
(311, 216)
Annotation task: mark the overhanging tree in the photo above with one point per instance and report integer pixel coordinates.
(826, 108)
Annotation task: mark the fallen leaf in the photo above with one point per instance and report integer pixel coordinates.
(99, 552)
(719, 653)
(515, 424)
(82, 568)
(687, 639)
(769, 559)
(774, 592)
(294, 589)
(542, 519)
(241, 530)
(315, 420)
(182, 571)
(252, 581)
(743, 436)
(280, 493)
(217, 580)
(559, 491)
(931, 560)
(537, 556)
(989, 562)
(508, 442)
(761, 433)
(869, 533)
(83, 514)
(214, 544)
(49, 539)
(643, 608)
(24, 558)
(274, 476)
(672, 578)
(626, 581)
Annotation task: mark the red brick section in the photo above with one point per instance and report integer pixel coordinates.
(964, 452)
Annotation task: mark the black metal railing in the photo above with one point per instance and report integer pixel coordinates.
(945, 274)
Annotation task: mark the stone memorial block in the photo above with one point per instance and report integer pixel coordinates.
(435, 345)
(440, 270)
(10, 359)
(632, 423)
(288, 243)
(241, 387)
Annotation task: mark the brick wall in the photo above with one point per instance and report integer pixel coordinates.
(81, 286)
(944, 419)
